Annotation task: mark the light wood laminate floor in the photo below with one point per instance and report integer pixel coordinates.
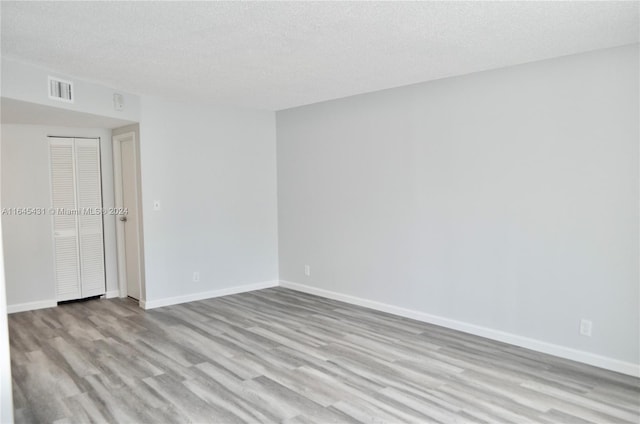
(277, 355)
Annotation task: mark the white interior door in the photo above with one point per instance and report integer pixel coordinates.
(76, 196)
(65, 233)
(90, 230)
(127, 198)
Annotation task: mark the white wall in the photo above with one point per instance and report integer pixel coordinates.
(506, 199)
(214, 172)
(28, 242)
(28, 83)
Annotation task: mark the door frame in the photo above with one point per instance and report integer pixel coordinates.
(119, 200)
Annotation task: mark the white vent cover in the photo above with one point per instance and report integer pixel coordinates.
(60, 89)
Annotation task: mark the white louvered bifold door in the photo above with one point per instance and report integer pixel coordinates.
(89, 199)
(65, 233)
(76, 193)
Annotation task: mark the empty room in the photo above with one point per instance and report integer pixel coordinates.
(320, 212)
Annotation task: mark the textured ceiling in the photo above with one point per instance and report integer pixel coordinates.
(276, 55)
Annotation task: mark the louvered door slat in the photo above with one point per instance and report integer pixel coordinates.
(67, 281)
(90, 222)
(92, 263)
(63, 198)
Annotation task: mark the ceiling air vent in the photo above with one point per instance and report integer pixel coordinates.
(60, 90)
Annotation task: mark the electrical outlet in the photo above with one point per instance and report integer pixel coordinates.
(585, 327)
(196, 276)
(307, 270)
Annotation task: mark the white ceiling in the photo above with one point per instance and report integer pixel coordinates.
(276, 55)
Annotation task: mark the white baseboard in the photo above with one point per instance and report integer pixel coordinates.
(30, 306)
(42, 304)
(111, 294)
(157, 303)
(623, 367)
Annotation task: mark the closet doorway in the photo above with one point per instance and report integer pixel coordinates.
(78, 235)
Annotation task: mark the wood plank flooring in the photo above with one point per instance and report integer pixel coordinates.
(277, 355)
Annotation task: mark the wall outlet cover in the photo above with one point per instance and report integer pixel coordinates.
(586, 326)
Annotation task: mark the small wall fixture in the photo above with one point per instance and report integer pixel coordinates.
(118, 101)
